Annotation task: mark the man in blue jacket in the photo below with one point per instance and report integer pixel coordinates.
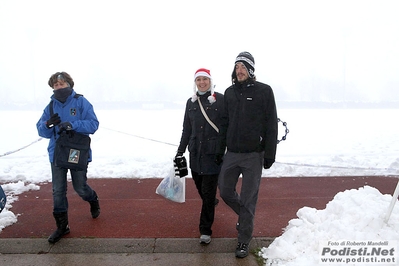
(249, 131)
(68, 111)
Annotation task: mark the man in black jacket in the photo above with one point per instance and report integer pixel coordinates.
(249, 131)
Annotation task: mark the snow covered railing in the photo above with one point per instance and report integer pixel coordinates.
(24, 147)
(340, 167)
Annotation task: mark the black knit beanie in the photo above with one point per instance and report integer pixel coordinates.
(249, 62)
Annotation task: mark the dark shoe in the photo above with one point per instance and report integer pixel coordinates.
(241, 250)
(61, 219)
(58, 234)
(95, 208)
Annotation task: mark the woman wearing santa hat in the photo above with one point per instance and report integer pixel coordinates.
(201, 123)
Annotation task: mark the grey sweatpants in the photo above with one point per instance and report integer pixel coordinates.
(243, 203)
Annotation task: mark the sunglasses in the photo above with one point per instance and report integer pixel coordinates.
(60, 77)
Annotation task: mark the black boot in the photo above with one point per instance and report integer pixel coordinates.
(61, 219)
(95, 207)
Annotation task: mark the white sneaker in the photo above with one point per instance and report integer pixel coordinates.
(205, 239)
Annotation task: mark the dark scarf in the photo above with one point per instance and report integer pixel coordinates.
(62, 94)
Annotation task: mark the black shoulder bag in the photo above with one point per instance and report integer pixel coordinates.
(71, 148)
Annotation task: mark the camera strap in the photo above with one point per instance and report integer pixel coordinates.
(206, 116)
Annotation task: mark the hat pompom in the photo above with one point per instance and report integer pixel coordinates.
(212, 97)
(194, 98)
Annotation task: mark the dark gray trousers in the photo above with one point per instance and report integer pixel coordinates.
(244, 202)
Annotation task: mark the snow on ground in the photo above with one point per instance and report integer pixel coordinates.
(356, 215)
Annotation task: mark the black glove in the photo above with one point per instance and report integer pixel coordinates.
(219, 159)
(179, 154)
(53, 121)
(180, 165)
(64, 126)
(267, 163)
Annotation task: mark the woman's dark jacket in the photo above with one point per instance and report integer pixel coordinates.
(200, 136)
(250, 121)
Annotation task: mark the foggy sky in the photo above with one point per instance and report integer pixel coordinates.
(149, 50)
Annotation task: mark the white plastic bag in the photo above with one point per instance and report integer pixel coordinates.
(172, 187)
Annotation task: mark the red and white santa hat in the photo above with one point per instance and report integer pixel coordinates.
(203, 72)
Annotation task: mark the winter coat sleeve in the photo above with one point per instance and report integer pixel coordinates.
(187, 130)
(271, 127)
(88, 122)
(224, 123)
(41, 125)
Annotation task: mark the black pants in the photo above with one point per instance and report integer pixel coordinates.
(206, 186)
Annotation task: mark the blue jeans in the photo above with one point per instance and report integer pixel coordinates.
(79, 182)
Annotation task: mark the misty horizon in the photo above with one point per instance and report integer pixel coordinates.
(310, 52)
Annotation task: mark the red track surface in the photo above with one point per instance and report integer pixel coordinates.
(131, 209)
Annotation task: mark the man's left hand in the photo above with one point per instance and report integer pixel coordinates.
(267, 163)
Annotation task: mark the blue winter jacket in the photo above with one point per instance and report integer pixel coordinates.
(78, 111)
